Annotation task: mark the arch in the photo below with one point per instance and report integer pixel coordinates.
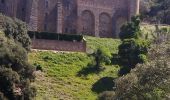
(105, 25)
(88, 22)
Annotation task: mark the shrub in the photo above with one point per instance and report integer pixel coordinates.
(107, 95)
(15, 70)
(148, 81)
(133, 49)
(7, 80)
(101, 56)
(17, 30)
(131, 29)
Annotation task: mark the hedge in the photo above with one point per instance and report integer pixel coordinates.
(55, 36)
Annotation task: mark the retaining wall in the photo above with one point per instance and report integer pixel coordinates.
(43, 44)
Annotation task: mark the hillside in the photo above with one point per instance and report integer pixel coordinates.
(66, 76)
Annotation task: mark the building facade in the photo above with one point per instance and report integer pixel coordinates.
(101, 18)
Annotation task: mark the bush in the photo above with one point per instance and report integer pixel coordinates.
(15, 70)
(148, 81)
(134, 48)
(7, 80)
(107, 95)
(101, 56)
(133, 51)
(17, 30)
(131, 29)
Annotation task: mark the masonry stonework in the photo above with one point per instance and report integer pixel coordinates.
(42, 44)
(101, 18)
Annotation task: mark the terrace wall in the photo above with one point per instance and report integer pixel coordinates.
(56, 45)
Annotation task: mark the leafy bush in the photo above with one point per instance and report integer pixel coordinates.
(161, 34)
(101, 56)
(155, 11)
(131, 29)
(148, 81)
(107, 95)
(17, 30)
(15, 71)
(133, 49)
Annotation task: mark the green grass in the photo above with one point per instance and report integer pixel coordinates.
(150, 29)
(59, 79)
(108, 43)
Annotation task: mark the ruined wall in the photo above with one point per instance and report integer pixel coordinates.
(92, 10)
(101, 18)
(70, 16)
(58, 45)
(47, 15)
(8, 7)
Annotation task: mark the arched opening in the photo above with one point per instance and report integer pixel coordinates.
(88, 23)
(105, 25)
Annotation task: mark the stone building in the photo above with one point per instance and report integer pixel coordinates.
(101, 18)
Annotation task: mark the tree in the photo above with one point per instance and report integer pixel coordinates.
(15, 71)
(101, 56)
(17, 30)
(133, 49)
(147, 81)
(158, 11)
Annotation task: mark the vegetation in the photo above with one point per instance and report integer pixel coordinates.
(149, 81)
(69, 76)
(101, 56)
(133, 49)
(17, 30)
(109, 44)
(15, 71)
(156, 11)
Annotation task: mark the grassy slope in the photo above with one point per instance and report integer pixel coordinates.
(93, 43)
(59, 78)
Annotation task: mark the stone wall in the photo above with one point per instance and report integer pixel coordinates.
(58, 45)
(101, 18)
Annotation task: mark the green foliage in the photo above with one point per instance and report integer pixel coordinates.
(131, 29)
(107, 95)
(59, 78)
(93, 43)
(17, 30)
(149, 81)
(161, 34)
(101, 56)
(157, 11)
(14, 69)
(133, 49)
(55, 36)
(7, 80)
